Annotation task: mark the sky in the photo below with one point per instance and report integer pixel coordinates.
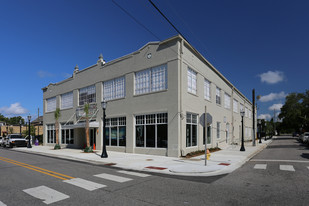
(255, 44)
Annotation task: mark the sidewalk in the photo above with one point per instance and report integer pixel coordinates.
(221, 162)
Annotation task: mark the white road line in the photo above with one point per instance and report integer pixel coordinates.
(133, 173)
(287, 168)
(265, 160)
(85, 184)
(260, 166)
(47, 194)
(113, 177)
(2, 204)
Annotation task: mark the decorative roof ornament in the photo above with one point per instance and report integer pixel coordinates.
(76, 70)
(101, 60)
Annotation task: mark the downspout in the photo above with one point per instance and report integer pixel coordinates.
(233, 115)
(180, 96)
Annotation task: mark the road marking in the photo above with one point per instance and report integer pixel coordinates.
(113, 177)
(133, 173)
(265, 160)
(37, 169)
(287, 168)
(47, 194)
(88, 185)
(2, 204)
(308, 168)
(260, 166)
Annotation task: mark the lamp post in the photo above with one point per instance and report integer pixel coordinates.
(104, 153)
(29, 141)
(242, 114)
(259, 127)
(20, 126)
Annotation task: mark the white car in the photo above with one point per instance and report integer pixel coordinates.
(304, 138)
(1, 140)
(14, 140)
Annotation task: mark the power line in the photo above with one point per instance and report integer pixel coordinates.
(167, 19)
(138, 22)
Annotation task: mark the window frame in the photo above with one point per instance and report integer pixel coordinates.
(110, 124)
(51, 105)
(89, 96)
(147, 80)
(65, 131)
(51, 133)
(235, 109)
(207, 90)
(190, 122)
(227, 101)
(114, 89)
(218, 96)
(155, 119)
(192, 81)
(62, 102)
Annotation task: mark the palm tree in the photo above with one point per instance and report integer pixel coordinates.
(57, 116)
(86, 110)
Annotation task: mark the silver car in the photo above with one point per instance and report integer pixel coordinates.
(305, 138)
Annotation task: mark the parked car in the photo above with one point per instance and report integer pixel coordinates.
(14, 140)
(1, 140)
(305, 137)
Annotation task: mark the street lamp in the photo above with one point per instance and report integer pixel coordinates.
(104, 153)
(259, 126)
(29, 141)
(242, 114)
(20, 126)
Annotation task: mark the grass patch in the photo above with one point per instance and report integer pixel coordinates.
(201, 152)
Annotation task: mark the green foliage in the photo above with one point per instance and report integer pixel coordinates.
(86, 109)
(295, 112)
(12, 120)
(32, 131)
(57, 114)
(57, 146)
(88, 149)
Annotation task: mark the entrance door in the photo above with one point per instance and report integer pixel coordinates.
(92, 135)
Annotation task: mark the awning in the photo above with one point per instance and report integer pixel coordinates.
(80, 125)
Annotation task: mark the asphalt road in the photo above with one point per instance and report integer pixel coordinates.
(52, 179)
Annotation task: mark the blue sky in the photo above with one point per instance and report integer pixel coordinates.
(255, 44)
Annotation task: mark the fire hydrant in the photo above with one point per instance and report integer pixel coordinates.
(208, 154)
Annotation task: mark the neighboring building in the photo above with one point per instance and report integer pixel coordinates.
(38, 125)
(156, 100)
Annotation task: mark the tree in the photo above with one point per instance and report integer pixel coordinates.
(57, 115)
(86, 110)
(32, 131)
(295, 112)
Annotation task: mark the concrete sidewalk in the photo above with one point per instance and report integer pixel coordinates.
(221, 162)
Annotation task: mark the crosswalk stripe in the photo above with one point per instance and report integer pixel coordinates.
(260, 166)
(113, 177)
(47, 194)
(133, 173)
(2, 204)
(287, 168)
(85, 184)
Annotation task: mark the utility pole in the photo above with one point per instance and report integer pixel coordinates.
(253, 116)
(38, 121)
(274, 121)
(205, 129)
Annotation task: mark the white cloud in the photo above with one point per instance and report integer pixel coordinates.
(14, 109)
(275, 107)
(264, 116)
(43, 74)
(271, 77)
(273, 96)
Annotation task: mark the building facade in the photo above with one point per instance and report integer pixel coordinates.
(156, 100)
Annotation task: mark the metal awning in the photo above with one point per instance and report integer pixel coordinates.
(81, 125)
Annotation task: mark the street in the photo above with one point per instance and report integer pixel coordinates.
(276, 176)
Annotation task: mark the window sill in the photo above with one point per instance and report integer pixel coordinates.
(66, 109)
(137, 95)
(112, 100)
(192, 94)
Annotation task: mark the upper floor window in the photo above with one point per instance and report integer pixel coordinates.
(67, 100)
(249, 113)
(87, 95)
(151, 80)
(235, 105)
(246, 112)
(227, 101)
(207, 89)
(191, 81)
(241, 107)
(51, 104)
(114, 89)
(218, 95)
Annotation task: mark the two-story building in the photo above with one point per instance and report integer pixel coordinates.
(156, 100)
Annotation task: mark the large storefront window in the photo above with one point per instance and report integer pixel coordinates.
(67, 135)
(116, 131)
(151, 130)
(51, 133)
(208, 134)
(191, 130)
